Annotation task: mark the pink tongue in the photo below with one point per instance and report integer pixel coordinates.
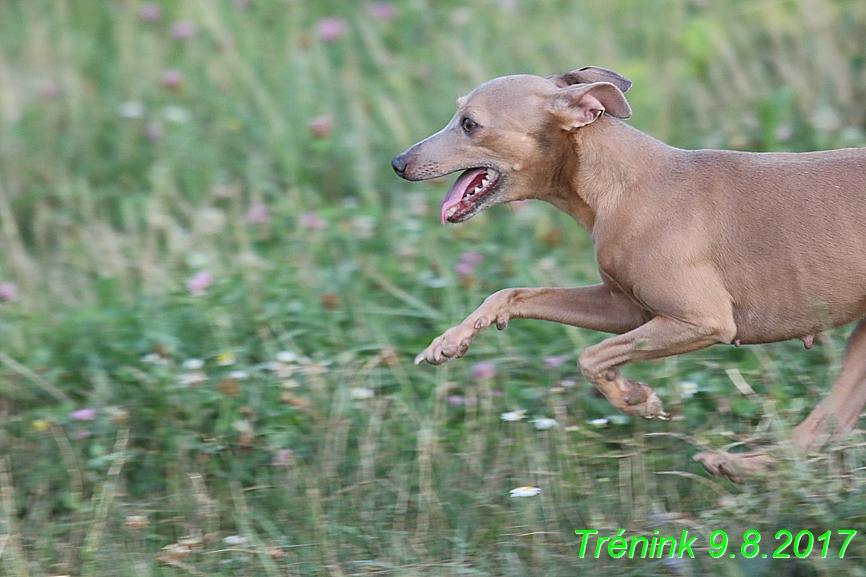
(455, 194)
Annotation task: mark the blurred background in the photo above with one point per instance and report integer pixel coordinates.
(212, 287)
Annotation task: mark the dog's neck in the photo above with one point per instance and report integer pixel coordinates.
(612, 159)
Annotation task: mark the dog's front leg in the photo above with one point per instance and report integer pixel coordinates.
(596, 307)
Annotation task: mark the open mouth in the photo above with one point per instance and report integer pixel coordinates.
(470, 187)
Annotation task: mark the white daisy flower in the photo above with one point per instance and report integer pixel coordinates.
(513, 416)
(193, 364)
(131, 109)
(239, 375)
(544, 423)
(235, 540)
(527, 491)
(568, 383)
(287, 357)
(175, 114)
(361, 393)
(688, 389)
(192, 378)
(153, 358)
(599, 422)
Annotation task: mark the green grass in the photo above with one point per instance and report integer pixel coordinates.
(116, 189)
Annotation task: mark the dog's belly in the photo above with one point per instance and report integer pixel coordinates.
(768, 322)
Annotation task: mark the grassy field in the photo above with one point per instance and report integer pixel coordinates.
(212, 287)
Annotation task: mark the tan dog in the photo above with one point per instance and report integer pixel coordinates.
(694, 247)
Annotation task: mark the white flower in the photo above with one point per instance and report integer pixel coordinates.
(239, 375)
(364, 226)
(313, 368)
(235, 540)
(282, 370)
(599, 422)
(513, 416)
(208, 221)
(198, 260)
(193, 364)
(544, 423)
(131, 109)
(287, 357)
(527, 491)
(175, 114)
(568, 383)
(153, 358)
(688, 389)
(192, 378)
(225, 359)
(361, 393)
(242, 426)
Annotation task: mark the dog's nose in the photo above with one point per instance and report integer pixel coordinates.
(399, 165)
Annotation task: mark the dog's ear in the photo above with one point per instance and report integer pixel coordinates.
(590, 75)
(582, 104)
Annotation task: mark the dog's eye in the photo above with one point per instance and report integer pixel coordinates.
(468, 125)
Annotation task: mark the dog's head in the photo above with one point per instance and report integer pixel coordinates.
(505, 133)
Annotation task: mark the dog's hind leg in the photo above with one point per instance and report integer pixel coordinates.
(834, 416)
(660, 337)
(837, 414)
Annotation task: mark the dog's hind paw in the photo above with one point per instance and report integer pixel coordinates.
(643, 402)
(736, 466)
(631, 398)
(651, 408)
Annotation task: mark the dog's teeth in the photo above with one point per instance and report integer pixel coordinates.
(484, 183)
(450, 212)
(490, 174)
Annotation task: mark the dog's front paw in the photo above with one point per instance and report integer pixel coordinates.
(452, 344)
